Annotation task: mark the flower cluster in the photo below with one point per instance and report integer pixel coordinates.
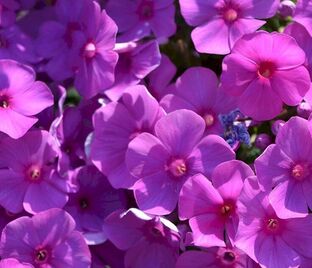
(155, 133)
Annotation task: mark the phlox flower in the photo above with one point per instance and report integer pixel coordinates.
(264, 71)
(164, 161)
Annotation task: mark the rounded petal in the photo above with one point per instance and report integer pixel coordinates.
(228, 178)
(38, 95)
(180, 131)
(295, 139)
(212, 37)
(208, 153)
(157, 194)
(198, 197)
(259, 101)
(15, 124)
(146, 155)
(291, 85)
(288, 200)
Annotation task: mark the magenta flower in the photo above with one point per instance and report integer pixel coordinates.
(287, 166)
(263, 79)
(164, 161)
(207, 100)
(94, 200)
(158, 82)
(211, 206)
(146, 239)
(215, 258)
(48, 239)
(220, 23)
(29, 174)
(266, 238)
(139, 18)
(115, 125)
(18, 89)
(303, 13)
(135, 62)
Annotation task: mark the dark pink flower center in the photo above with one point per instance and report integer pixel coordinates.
(266, 69)
(41, 256)
(230, 15)
(34, 173)
(226, 210)
(146, 10)
(4, 102)
(209, 119)
(229, 257)
(83, 203)
(272, 224)
(300, 171)
(90, 50)
(177, 167)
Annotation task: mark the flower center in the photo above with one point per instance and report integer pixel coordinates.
(299, 171)
(41, 256)
(272, 224)
(229, 257)
(90, 50)
(4, 101)
(146, 10)
(178, 167)
(4, 104)
(230, 15)
(226, 210)
(266, 69)
(209, 119)
(34, 173)
(83, 203)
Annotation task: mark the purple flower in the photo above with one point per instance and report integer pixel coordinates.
(220, 23)
(48, 239)
(139, 18)
(164, 161)
(135, 62)
(287, 166)
(18, 89)
(115, 125)
(158, 81)
(56, 42)
(211, 206)
(29, 179)
(94, 71)
(207, 100)
(303, 14)
(265, 237)
(264, 71)
(215, 258)
(80, 47)
(148, 240)
(94, 200)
